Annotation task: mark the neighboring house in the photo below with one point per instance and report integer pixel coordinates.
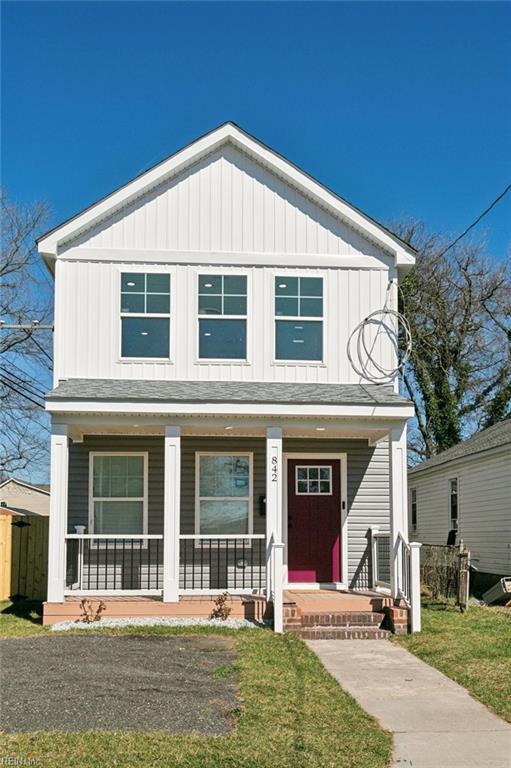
(467, 489)
(25, 498)
(208, 430)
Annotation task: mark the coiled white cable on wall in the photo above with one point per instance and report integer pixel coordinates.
(379, 327)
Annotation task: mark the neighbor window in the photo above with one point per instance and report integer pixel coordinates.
(453, 503)
(413, 508)
(300, 301)
(222, 317)
(118, 493)
(145, 314)
(224, 493)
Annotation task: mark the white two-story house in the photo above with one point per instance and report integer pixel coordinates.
(209, 433)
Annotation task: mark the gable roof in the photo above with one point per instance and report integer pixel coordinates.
(41, 487)
(228, 132)
(493, 437)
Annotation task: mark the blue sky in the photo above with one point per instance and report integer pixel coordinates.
(402, 108)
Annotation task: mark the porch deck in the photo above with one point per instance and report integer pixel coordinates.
(251, 607)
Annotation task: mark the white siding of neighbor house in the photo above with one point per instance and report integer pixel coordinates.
(484, 507)
(225, 208)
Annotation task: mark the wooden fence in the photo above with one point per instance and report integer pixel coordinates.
(23, 556)
(445, 572)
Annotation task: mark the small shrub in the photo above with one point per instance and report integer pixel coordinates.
(91, 612)
(221, 609)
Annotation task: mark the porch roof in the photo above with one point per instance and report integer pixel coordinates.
(128, 390)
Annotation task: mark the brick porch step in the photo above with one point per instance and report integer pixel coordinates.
(343, 619)
(340, 633)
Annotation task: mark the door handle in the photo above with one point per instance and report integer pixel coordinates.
(289, 522)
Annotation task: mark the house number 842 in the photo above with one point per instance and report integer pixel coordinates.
(274, 469)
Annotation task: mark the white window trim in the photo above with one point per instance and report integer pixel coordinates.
(147, 269)
(249, 498)
(412, 526)
(322, 319)
(247, 318)
(313, 466)
(449, 518)
(93, 498)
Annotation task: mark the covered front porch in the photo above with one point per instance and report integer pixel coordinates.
(243, 503)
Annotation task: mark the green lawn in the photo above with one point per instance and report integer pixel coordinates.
(473, 648)
(293, 715)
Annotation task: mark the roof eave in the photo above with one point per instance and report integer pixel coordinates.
(48, 243)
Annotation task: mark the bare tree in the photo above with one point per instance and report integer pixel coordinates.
(458, 305)
(26, 297)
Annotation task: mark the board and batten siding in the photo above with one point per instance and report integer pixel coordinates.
(367, 470)
(226, 202)
(226, 209)
(87, 324)
(484, 507)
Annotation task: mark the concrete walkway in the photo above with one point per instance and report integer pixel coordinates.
(435, 723)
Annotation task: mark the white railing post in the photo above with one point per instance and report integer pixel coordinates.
(278, 586)
(171, 514)
(373, 549)
(398, 510)
(59, 467)
(415, 587)
(273, 500)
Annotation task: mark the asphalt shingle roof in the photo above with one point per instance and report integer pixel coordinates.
(493, 437)
(224, 392)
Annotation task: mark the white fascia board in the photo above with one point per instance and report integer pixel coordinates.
(192, 153)
(154, 256)
(401, 412)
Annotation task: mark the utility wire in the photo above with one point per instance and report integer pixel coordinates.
(30, 376)
(29, 336)
(22, 394)
(476, 222)
(18, 380)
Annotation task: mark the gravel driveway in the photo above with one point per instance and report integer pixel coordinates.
(123, 683)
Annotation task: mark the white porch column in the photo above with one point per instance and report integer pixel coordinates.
(273, 501)
(398, 493)
(59, 467)
(171, 514)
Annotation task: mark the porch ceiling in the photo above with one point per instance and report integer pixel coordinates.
(232, 427)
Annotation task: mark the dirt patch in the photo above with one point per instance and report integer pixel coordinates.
(122, 683)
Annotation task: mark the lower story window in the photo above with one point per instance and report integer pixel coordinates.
(118, 499)
(224, 493)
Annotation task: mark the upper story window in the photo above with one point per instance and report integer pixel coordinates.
(453, 504)
(222, 317)
(145, 314)
(300, 335)
(413, 508)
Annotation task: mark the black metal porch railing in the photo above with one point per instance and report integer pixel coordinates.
(103, 563)
(222, 563)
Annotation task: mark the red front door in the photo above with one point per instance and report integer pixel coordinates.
(314, 520)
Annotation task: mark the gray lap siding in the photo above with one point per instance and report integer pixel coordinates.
(367, 470)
